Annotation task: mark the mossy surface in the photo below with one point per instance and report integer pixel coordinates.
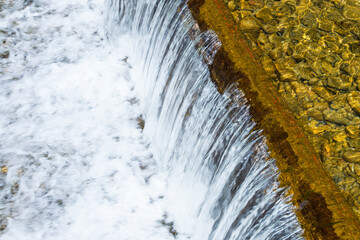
(321, 208)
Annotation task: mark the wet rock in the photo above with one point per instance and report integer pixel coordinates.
(326, 25)
(353, 131)
(4, 169)
(275, 39)
(334, 14)
(342, 31)
(355, 121)
(354, 143)
(269, 66)
(285, 63)
(285, 10)
(288, 49)
(276, 53)
(349, 39)
(297, 34)
(4, 54)
(231, 5)
(315, 128)
(317, 50)
(299, 88)
(289, 23)
(306, 72)
(336, 83)
(263, 38)
(3, 223)
(335, 117)
(354, 67)
(340, 137)
(140, 122)
(326, 67)
(356, 169)
(352, 12)
(14, 188)
(350, 171)
(353, 99)
(352, 156)
(299, 55)
(244, 13)
(287, 75)
(315, 114)
(345, 68)
(236, 16)
(7, 32)
(323, 93)
(270, 27)
(354, 47)
(346, 55)
(319, 3)
(264, 14)
(250, 25)
(309, 19)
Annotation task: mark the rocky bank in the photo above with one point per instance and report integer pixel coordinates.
(309, 53)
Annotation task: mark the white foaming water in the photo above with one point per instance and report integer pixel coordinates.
(79, 166)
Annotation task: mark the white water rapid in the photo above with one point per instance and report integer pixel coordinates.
(111, 129)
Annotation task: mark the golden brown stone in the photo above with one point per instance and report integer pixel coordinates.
(354, 100)
(352, 156)
(335, 117)
(231, 5)
(250, 25)
(323, 93)
(353, 131)
(352, 12)
(340, 137)
(269, 66)
(264, 14)
(4, 169)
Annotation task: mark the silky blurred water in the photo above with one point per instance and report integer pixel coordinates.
(81, 80)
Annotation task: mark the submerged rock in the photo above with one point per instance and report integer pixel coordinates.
(353, 131)
(250, 25)
(4, 54)
(264, 14)
(337, 83)
(352, 156)
(315, 114)
(323, 93)
(352, 12)
(353, 99)
(335, 117)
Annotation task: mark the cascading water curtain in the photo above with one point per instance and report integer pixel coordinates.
(219, 183)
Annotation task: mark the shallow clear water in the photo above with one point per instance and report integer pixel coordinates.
(81, 77)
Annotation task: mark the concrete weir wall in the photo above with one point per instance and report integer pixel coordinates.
(322, 209)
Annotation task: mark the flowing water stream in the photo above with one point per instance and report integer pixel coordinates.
(115, 130)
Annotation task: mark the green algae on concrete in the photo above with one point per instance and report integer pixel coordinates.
(322, 209)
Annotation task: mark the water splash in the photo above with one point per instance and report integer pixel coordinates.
(80, 167)
(219, 182)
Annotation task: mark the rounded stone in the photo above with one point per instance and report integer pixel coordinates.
(353, 99)
(352, 12)
(335, 117)
(250, 25)
(264, 14)
(352, 156)
(231, 5)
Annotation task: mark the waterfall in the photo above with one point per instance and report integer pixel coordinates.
(220, 183)
(116, 131)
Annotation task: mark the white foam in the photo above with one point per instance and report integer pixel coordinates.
(69, 134)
